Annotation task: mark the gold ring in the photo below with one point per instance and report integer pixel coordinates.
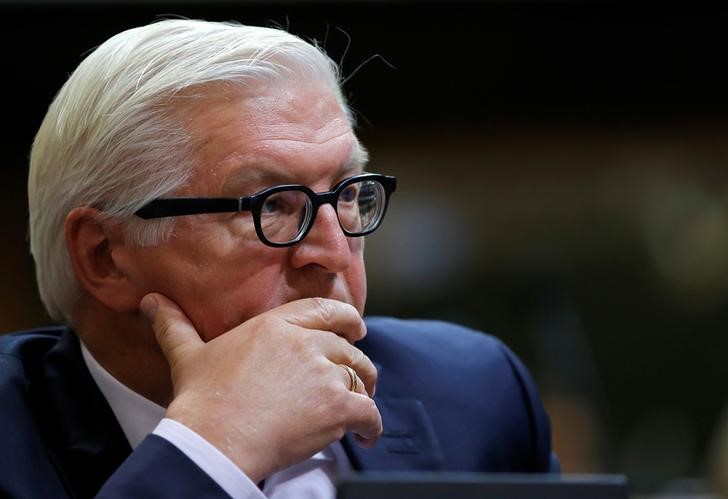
(353, 380)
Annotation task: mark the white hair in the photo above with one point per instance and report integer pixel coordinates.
(109, 141)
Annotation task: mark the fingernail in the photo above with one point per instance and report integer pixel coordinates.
(149, 305)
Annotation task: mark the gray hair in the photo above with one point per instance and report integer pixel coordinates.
(109, 141)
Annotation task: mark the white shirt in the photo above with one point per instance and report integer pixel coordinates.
(313, 478)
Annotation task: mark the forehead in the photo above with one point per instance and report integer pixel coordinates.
(253, 137)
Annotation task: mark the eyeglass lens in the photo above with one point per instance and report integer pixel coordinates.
(285, 215)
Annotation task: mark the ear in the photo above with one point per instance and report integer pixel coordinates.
(92, 242)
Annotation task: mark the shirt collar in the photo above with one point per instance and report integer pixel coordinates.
(136, 415)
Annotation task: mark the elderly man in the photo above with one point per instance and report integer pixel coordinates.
(197, 201)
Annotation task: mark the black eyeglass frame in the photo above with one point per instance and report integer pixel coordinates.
(181, 206)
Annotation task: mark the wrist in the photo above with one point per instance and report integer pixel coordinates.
(228, 440)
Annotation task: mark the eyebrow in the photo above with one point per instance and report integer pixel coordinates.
(358, 159)
(254, 178)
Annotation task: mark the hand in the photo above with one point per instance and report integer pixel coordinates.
(270, 393)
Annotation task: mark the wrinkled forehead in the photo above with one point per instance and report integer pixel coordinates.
(289, 132)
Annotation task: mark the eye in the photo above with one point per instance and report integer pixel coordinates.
(349, 194)
(271, 206)
(283, 203)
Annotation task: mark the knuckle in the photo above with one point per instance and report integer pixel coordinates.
(265, 322)
(350, 309)
(358, 358)
(363, 330)
(321, 368)
(332, 392)
(348, 356)
(372, 375)
(336, 399)
(256, 323)
(339, 432)
(265, 325)
(374, 416)
(302, 343)
(324, 309)
(371, 406)
(361, 362)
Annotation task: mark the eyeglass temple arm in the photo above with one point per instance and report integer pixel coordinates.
(172, 207)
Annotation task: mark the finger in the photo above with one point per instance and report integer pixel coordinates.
(365, 370)
(352, 381)
(174, 332)
(367, 421)
(338, 351)
(325, 314)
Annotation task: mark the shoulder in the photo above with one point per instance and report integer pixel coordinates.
(22, 350)
(417, 330)
(28, 473)
(470, 383)
(429, 342)
(455, 360)
(433, 339)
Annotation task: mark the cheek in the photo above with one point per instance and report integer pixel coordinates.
(356, 281)
(219, 282)
(227, 297)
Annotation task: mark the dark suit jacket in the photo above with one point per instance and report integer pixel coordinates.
(450, 399)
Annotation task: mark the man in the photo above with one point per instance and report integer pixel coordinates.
(197, 198)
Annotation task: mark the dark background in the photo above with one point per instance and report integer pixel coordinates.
(563, 185)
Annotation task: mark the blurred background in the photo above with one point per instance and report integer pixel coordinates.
(563, 185)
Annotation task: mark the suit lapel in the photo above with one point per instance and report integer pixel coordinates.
(84, 439)
(87, 445)
(407, 444)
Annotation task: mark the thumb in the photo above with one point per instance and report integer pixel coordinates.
(174, 332)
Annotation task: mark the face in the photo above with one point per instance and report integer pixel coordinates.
(214, 266)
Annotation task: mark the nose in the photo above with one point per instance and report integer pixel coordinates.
(325, 244)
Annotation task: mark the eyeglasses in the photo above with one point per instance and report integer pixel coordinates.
(284, 214)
